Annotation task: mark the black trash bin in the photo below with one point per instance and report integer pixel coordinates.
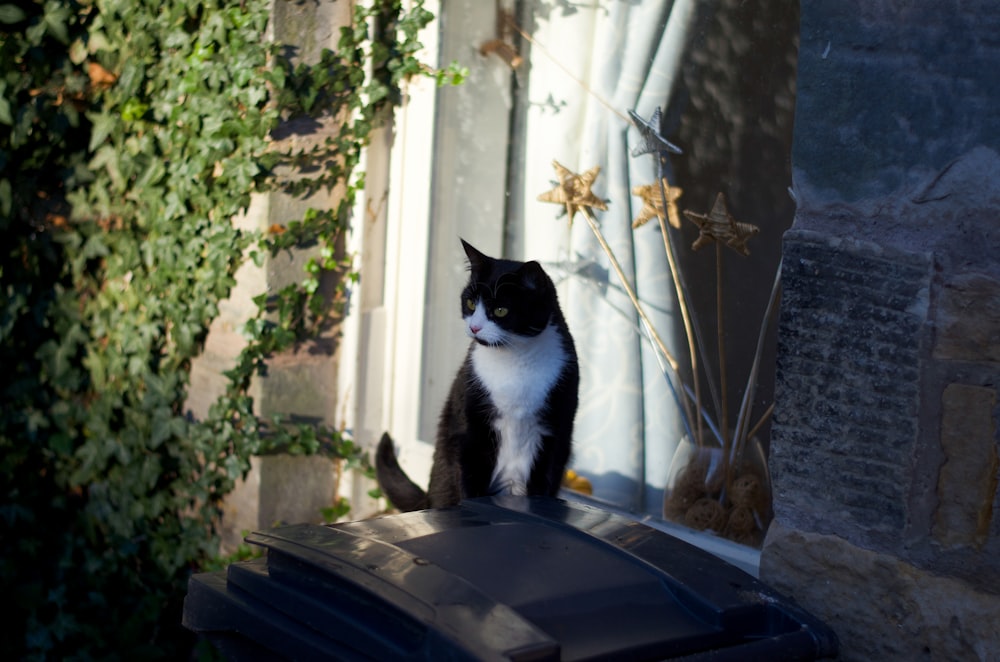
(515, 578)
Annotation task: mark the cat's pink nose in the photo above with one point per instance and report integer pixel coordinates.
(475, 328)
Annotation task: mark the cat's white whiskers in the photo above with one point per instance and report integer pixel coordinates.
(484, 330)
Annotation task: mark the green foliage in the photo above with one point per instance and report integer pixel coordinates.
(244, 552)
(132, 133)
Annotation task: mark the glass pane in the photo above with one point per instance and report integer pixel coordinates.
(723, 76)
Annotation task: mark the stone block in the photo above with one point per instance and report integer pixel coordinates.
(967, 483)
(881, 607)
(300, 385)
(967, 319)
(871, 79)
(309, 27)
(279, 489)
(850, 334)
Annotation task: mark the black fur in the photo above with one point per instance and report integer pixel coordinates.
(465, 452)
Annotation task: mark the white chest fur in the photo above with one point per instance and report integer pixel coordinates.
(519, 377)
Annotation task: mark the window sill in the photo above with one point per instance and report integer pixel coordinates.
(743, 557)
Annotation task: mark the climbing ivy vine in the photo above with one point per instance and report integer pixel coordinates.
(131, 133)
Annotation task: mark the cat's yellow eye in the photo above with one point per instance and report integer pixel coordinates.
(500, 312)
(470, 304)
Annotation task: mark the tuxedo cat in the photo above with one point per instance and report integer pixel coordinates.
(507, 425)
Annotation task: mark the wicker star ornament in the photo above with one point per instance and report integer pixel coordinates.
(573, 190)
(719, 225)
(652, 204)
(652, 141)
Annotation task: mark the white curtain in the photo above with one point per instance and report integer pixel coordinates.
(590, 64)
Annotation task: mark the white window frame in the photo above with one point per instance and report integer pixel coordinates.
(388, 348)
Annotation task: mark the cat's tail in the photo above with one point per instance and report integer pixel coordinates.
(396, 485)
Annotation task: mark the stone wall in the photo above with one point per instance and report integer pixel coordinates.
(884, 449)
(851, 330)
(301, 384)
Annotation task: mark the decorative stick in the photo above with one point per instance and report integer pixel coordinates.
(655, 144)
(742, 421)
(573, 191)
(682, 303)
(723, 382)
(596, 229)
(763, 419)
(718, 226)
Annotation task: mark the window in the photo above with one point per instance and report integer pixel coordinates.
(472, 161)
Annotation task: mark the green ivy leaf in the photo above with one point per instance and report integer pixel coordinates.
(6, 197)
(11, 14)
(108, 297)
(55, 19)
(102, 124)
(134, 110)
(5, 115)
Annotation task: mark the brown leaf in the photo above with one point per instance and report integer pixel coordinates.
(99, 76)
(57, 221)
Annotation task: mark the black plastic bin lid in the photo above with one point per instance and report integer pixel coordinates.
(517, 578)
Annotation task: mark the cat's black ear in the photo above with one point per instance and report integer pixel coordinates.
(476, 259)
(532, 275)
